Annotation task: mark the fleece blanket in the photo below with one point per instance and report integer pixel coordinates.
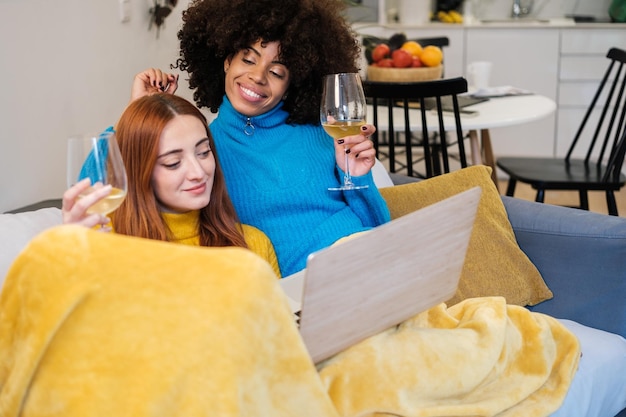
(480, 357)
(97, 324)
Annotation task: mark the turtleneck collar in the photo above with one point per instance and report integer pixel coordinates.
(183, 226)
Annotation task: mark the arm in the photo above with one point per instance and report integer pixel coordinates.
(367, 203)
(259, 243)
(582, 258)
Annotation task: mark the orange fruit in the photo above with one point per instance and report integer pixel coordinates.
(412, 47)
(431, 56)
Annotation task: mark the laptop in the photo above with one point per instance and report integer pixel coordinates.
(380, 278)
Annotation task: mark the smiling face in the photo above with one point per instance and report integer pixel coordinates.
(256, 81)
(185, 167)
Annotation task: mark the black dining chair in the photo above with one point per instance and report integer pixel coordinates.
(438, 96)
(601, 137)
(370, 41)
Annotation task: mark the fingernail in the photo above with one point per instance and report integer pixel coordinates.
(340, 141)
(364, 128)
(347, 150)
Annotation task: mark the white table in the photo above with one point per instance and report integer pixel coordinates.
(495, 112)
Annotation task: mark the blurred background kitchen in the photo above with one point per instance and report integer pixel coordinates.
(67, 67)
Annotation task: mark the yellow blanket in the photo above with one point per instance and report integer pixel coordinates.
(95, 324)
(477, 358)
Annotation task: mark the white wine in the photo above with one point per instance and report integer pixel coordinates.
(341, 129)
(108, 204)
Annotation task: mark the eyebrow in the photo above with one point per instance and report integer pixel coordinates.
(251, 48)
(175, 151)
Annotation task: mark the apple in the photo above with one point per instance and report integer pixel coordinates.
(416, 62)
(385, 63)
(380, 52)
(401, 58)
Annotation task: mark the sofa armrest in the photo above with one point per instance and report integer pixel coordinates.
(582, 258)
(37, 206)
(16, 230)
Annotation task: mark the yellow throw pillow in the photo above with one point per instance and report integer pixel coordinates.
(494, 264)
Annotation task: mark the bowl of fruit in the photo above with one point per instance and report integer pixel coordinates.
(401, 60)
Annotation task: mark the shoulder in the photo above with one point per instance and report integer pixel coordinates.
(259, 243)
(257, 240)
(251, 233)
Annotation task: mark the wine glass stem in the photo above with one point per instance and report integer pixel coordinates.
(347, 178)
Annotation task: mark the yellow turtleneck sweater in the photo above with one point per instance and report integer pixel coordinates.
(184, 227)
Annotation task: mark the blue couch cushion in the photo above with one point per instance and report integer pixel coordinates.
(582, 258)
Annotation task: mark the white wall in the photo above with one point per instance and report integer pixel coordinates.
(66, 67)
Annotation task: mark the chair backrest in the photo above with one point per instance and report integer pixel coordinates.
(421, 98)
(370, 41)
(439, 41)
(607, 143)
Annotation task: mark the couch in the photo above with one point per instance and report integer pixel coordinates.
(581, 257)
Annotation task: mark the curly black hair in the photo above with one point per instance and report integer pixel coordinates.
(315, 40)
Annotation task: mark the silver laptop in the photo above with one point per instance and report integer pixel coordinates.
(378, 279)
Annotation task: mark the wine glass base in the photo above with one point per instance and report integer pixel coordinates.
(348, 187)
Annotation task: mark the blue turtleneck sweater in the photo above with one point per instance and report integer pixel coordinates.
(278, 177)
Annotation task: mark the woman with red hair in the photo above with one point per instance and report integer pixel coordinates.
(176, 189)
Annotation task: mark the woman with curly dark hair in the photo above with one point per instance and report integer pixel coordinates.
(259, 65)
(313, 38)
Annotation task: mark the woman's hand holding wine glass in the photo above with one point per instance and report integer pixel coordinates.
(96, 179)
(362, 154)
(343, 114)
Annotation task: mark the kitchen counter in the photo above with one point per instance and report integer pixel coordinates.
(521, 23)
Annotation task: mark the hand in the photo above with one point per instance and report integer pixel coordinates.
(153, 81)
(361, 150)
(74, 210)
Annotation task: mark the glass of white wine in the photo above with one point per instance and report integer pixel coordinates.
(342, 113)
(98, 158)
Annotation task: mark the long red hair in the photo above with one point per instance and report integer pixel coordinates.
(138, 133)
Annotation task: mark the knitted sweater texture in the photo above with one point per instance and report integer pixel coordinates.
(184, 229)
(278, 177)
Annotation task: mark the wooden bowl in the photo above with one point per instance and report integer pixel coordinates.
(404, 74)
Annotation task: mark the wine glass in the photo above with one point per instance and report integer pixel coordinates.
(343, 112)
(97, 157)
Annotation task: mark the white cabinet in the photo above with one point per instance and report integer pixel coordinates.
(582, 64)
(526, 58)
(592, 41)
